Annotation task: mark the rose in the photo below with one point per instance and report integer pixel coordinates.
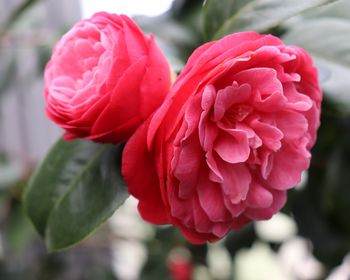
(105, 77)
(231, 138)
(233, 135)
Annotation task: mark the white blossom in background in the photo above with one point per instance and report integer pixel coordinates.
(219, 261)
(303, 181)
(279, 228)
(259, 263)
(341, 272)
(297, 259)
(127, 223)
(201, 272)
(129, 253)
(128, 259)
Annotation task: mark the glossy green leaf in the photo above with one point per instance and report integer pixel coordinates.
(77, 187)
(328, 42)
(222, 17)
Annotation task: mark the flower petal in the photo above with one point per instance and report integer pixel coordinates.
(233, 147)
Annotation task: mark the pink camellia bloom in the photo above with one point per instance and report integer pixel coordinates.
(233, 135)
(105, 77)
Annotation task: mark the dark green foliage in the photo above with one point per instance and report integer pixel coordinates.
(77, 187)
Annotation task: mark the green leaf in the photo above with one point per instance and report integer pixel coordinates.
(338, 9)
(222, 17)
(217, 12)
(77, 187)
(16, 14)
(175, 39)
(328, 42)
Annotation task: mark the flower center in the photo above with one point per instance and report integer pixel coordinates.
(237, 114)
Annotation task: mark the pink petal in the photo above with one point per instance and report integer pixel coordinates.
(144, 186)
(189, 160)
(235, 209)
(271, 136)
(192, 115)
(240, 222)
(279, 199)
(208, 97)
(180, 209)
(221, 229)
(202, 223)
(267, 88)
(207, 129)
(236, 182)
(233, 147)
(227, 97)
(211, 199)
(134, 38)
(288, 165)
(258, 196)
(124, 93)
(292, 124)
(263, 79)
(214, 172)
(296, 100)
(266, 158)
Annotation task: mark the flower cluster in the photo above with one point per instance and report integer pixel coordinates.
(215, 150)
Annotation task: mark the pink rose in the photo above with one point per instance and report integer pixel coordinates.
(105, 77)
(233, 135)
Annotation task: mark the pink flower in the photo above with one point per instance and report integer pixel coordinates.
(105, 77)
(233, 136)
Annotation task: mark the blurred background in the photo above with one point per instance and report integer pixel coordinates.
(308, 239)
